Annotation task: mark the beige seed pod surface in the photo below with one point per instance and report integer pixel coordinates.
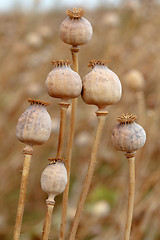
(128, 136)
(75, 29)
(101, 86)
(135, 80)
(54, 178)
(62, 82)
(34, 125)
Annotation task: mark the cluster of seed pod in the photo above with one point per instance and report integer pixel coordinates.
(64, 83)
(75, 30)
(100, 87)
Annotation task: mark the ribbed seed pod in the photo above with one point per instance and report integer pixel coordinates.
(101, 86)
(127, 135)
(62, 82)
(76, 30)
(135, 80)
(54, 178)
(34, 125)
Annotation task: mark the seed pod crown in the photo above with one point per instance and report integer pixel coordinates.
(38, 102)
(61, 63)
(56, 160)
(76, 13)
(127, 118)
(98, 62)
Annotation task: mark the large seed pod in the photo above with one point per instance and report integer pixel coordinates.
(76, 30)
(101, 86)
(135, 80)
(127, 135)
(62, 82)
(34, 125)
(54, 178)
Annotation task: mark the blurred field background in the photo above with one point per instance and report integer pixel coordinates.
(129, 36)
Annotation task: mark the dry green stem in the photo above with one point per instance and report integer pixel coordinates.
(131, 161)
(101, 121)
(47, 221)
(74, 51)
(23, 189)
(63, 109)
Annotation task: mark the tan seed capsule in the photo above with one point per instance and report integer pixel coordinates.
(75, 29)
(101, 86)
(128, 136)
(54, 178)
(34, 125)
(135, 80)
(62, 82)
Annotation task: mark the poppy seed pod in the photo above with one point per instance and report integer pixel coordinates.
(101, 86)
(76, 30)
(62, 82)
(135, 80)
(34, 125)
(54, 178)
(127, 135)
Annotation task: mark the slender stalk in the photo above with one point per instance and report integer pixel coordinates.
(131, 161)
(74, 52)
(63, 109)
(24, 181)
(50, 205)
(101, 121)
(47, 221)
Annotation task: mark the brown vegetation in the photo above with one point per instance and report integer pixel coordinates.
(29, 43)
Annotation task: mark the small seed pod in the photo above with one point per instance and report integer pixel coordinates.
(62, 82)
(135, 80)
(127, 135)
(76, 30)
(54, 178)
(34, 125)
(101, 86)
